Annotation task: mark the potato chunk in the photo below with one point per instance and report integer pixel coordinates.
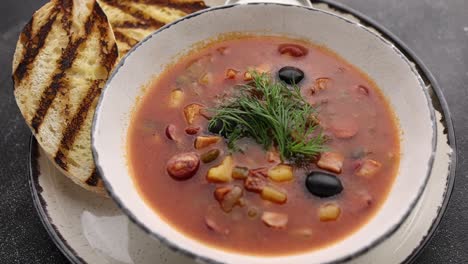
(331, 161)
(281, 173)
(175, 98)
(275, 220)
(329, 212)
(205, 141)
(191, 111)
(273, 195)
(368, 168)
(222, 172)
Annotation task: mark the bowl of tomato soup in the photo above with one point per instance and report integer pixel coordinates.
(305, 139)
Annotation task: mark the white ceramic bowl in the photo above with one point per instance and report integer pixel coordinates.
(386, 65)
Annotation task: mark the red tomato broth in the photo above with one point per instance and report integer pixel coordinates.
(185, 204)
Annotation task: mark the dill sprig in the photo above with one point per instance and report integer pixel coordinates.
(272, 114)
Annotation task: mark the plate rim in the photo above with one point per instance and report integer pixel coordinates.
(437, 99)
(41, 205)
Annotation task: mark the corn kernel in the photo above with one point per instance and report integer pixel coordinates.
(273, 195)
(329, 212)
(281, 173)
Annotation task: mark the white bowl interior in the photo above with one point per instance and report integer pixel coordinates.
(359, 46)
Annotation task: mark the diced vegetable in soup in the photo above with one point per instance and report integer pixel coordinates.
(265, 145)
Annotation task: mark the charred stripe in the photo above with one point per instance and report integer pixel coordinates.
(67, 9)
(48, 96)
(60, 160)
(77, 121)
(108, 57)
(145, 19)
(109, 62)
(114, 50)
(33, 45)
(132, 24)
(26, 35)
(123, 38)
(189, 7)
(94, 179)
(65, 63)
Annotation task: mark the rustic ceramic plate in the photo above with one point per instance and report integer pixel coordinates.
(88, 228)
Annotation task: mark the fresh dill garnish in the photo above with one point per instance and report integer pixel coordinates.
(272, 114)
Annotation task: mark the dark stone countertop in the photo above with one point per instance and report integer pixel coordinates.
(436, 30)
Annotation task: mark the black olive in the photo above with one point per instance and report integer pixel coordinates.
(291, 75)
(216, 126)
(323, 184)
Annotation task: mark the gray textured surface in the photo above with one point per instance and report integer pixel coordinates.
(436, 30)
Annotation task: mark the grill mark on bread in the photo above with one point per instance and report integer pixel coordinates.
(74, 126)
(33, 45)
(60, 160)
(72, 129)
(65, 62)
(107, 61)
(94, 179)
(67, 8)
(123, 38)
(26, 34)
(133, 24)
(110, 61)
(143, 19)
(187, 7)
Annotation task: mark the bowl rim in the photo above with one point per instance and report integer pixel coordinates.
(388, 40)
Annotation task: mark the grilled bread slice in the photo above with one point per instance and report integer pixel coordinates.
(133, 20)
(63, 58)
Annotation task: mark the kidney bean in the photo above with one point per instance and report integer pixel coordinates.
(293, 50)
(192, 130)
(183, 166)
(170, 132)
